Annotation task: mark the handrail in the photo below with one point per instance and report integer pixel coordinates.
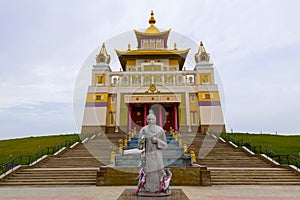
(284, 159)
(28, 159)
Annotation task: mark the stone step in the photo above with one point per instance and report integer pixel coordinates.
(226, 154)
(87, 164)
(39, 174)
(229, 159)
(42, 176)
(73, 162)
(239, 161)
(246, 168)
(266, 177)
(62, 171)
(225, 151)
(52, 176)
(80, 155)
(94, 148)
(256, 173)
(229, 156)
(255, 183)
(254, 166)
(234, 161)
(79, 183)
(72, 165)
(69, 170)
(235, 165)
(62, 179)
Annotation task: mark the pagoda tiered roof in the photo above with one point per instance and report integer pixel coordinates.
(152, 33)
(152, 54)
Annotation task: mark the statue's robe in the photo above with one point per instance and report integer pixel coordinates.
(154, 167)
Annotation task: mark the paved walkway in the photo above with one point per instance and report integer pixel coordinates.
(113, 192)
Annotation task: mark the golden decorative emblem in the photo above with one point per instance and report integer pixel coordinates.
(152, 89)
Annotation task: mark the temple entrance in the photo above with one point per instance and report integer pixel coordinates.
(169, 118)
(138, 117)
(166, 115)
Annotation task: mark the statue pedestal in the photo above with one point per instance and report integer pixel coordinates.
(128, 194)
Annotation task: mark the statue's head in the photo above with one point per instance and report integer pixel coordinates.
(151, 118)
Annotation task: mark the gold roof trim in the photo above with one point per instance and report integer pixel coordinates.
(151, 31)
(151, 51)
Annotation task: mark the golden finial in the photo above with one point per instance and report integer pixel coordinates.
(175, 46)
(152, 19)
(129, 47)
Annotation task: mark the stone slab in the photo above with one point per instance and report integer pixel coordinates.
(188, 176)
(176, 194)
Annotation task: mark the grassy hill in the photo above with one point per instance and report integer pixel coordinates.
(280, 144)
(26, 146)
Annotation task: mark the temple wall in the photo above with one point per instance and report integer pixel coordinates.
(94, 116)
(211, 115)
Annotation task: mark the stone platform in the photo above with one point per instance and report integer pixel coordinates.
(176, 194)
(195, 175)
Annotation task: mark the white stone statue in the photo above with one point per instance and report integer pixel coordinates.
(153, 139)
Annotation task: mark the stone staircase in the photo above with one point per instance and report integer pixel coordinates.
(227, 164)
(253, 176)
(230, 165)
(52, 176)
(76, 166)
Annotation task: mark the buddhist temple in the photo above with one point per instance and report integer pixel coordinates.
(153, 76)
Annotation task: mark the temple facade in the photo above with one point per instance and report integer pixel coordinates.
(153, 76)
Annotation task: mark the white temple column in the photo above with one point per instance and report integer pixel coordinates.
(198, 79)
(130, 81)
(118, 111)
(187, 111)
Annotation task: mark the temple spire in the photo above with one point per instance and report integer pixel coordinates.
(202, 55)
(103, 57)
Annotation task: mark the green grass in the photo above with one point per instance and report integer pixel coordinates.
(277, 143)
(26, 146)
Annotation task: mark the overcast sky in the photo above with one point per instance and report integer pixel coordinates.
(254, 45)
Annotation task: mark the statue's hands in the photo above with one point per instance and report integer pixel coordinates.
(154, 140)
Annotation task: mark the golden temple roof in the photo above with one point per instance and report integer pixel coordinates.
(151, 54)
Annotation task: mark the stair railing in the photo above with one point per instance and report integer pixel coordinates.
(284, 159)
(28, 159)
